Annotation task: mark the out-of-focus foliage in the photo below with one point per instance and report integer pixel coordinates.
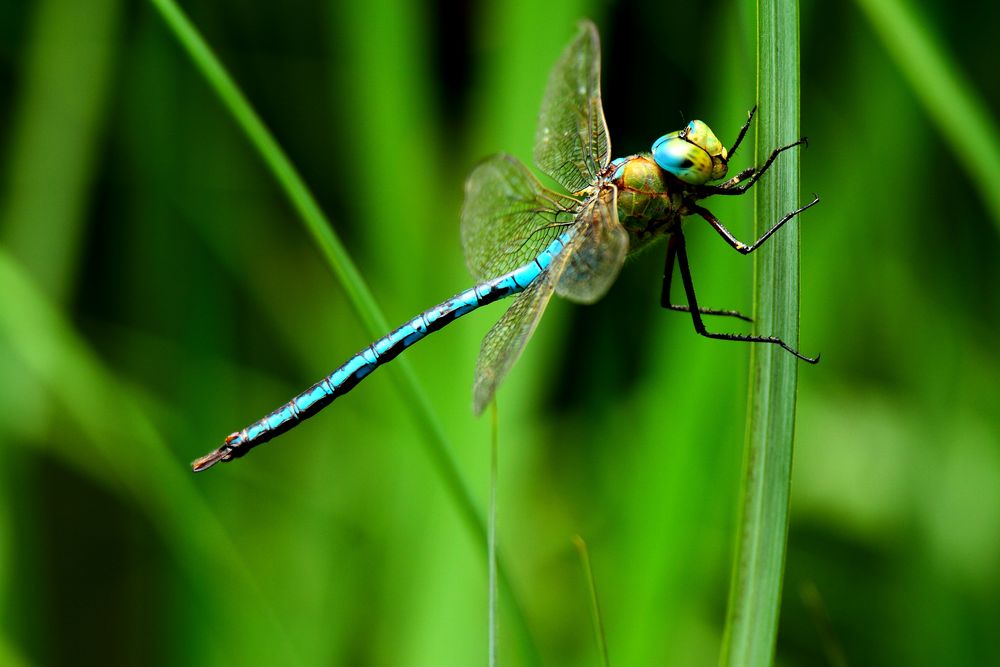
(158, 292)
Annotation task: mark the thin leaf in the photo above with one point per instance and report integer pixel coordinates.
(755, 592)
(950, 99)
(595, 605)
(491, 541)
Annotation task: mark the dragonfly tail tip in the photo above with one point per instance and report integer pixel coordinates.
(209, 460)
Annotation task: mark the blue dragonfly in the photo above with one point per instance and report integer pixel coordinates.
(523, 239)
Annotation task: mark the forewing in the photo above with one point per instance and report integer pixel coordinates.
(600, 252)
(571, 143)
(508, 217)
(505, 341)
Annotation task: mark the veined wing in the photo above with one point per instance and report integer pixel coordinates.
(600, 252)
(571, 143)
(508, 217)
(505, 341)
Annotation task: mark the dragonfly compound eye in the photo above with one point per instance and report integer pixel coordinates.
(694, 155)
(701, 135)
(683, 159)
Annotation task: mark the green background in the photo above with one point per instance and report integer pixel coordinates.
(157, 291)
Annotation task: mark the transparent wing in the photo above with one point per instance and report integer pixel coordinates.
(508, 218)
(505, 341)
(598, 256)
(571, 143)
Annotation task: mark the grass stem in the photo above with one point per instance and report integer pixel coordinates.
(755, 591)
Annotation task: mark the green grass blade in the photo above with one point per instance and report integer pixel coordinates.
(755, 592)
(491, 540)
(360, 296)
(277, 161)
(595, 605)
(61, 104)
(950, 99)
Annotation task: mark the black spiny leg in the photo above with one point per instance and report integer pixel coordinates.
(743, 133)
(699, 326)
(738, 178)
(668, 272)
(749, 171)
(730, 188)
(738, 245)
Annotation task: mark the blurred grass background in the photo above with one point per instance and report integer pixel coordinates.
(158, 292)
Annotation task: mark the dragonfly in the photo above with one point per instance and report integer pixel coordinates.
(521, 238)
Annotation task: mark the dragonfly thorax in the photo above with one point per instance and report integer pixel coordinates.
(650, 200)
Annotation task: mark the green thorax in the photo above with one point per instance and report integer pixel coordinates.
(650, 200)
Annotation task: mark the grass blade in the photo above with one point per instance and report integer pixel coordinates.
(281, 167)
(56, 109)
(755, 591)
(953, 104)
(491, 539)
(595, 605)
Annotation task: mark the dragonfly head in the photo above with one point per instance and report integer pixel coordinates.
(694, 155)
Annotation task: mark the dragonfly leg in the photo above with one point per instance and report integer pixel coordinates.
(699, 326)
(743, 133)
(728, 189)
(738, 245)
(738, 178)
(668, 272)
